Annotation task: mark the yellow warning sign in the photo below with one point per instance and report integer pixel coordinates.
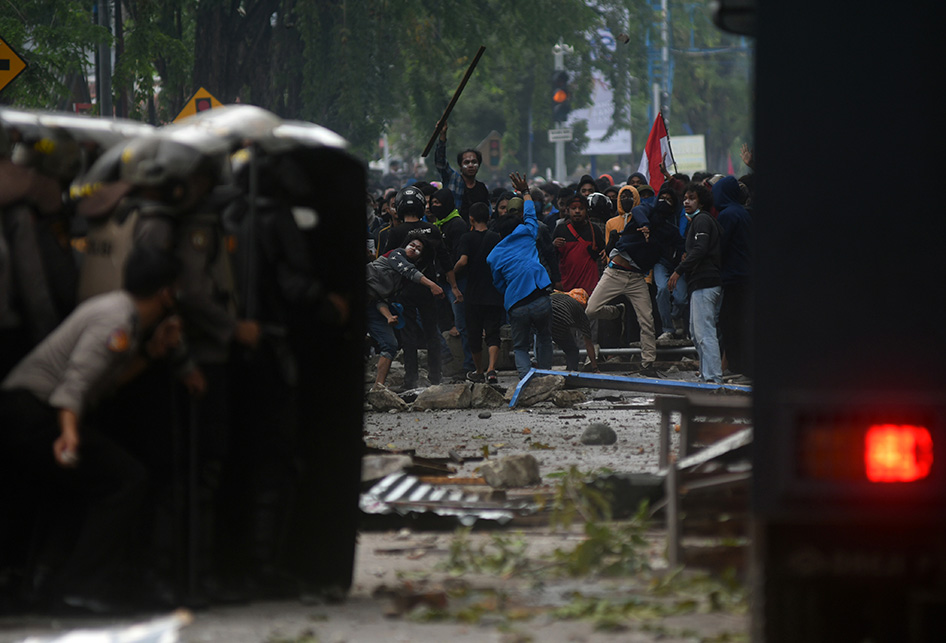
(201, 101)
(10, 64)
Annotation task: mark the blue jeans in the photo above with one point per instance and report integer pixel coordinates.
(704, 314)
(670, 305)
(533, 319)
(381, 331)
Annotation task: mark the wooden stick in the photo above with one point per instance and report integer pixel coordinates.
(453, 101)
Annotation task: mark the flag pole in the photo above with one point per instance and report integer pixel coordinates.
(661, 115)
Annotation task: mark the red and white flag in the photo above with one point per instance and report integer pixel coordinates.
(656, 151)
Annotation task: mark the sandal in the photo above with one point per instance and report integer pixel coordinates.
(492, 378)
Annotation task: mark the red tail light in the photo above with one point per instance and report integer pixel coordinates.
(897, 453)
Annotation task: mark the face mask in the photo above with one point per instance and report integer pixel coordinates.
(663, 207)
(439, 211)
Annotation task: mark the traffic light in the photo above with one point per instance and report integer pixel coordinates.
(561, 97)
(495, 153)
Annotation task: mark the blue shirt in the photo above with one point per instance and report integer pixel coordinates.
(517, 271)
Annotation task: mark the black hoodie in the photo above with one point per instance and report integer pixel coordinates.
(663, 223)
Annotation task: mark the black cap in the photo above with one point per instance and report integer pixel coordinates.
(148, 270)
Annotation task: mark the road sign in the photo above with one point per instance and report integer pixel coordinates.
(201, 101)
(561, 134)
(11, 65)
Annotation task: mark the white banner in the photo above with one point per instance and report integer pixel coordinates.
(689, 152)
(599, 117)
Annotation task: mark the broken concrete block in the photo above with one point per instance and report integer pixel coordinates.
(567, 398)
(540, 389)
(487, 397)
(444, 396)
(375, 467)
(383, 399)
(599, 433)
(511, 471)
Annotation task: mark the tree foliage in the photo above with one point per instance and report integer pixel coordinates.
(370, 67)
(55, 38)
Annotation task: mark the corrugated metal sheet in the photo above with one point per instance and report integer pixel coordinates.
(405, 494)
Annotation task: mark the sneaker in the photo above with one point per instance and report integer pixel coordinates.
(475, 377)
(492, 377)
(649, 371)
(665, 338)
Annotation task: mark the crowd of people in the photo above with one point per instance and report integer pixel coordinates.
(594, 262)
(180, 369)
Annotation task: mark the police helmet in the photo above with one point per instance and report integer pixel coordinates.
(599, 206)
(410, 200)
(154, 161)
(51, 151)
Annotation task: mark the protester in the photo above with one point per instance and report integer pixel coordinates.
(525, 284)
(664, 217)
(735, 316)
(466, 189)
(632, 257)
(420, 310)
(446, 217)
(587, 186)
(627, 200)
(484, 304)
(702, 268)
(385, 278)
(580, 246)
(569, 318)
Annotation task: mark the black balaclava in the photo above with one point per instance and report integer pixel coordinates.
(445, 196)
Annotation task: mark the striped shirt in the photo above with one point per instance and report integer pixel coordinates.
(568, 315)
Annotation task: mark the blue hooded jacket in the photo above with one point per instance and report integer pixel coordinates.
(737, 231)
(517, 271)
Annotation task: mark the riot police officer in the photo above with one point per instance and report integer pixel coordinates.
(40, 274)
(53, 459)
(174, 201)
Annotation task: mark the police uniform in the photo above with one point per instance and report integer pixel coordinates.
(206, 302)
(73, 368)
(38, 275)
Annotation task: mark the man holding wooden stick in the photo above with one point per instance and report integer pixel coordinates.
(463, 184)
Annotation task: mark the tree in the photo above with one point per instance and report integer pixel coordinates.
(364, 68)
(711, 84)
(54, 38)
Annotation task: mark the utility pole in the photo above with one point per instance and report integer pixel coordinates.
(559, 51)
(662, 88)
(659, 64)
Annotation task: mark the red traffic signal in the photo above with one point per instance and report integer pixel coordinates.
(561, 97)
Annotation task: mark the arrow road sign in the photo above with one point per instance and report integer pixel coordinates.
(11, 65)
